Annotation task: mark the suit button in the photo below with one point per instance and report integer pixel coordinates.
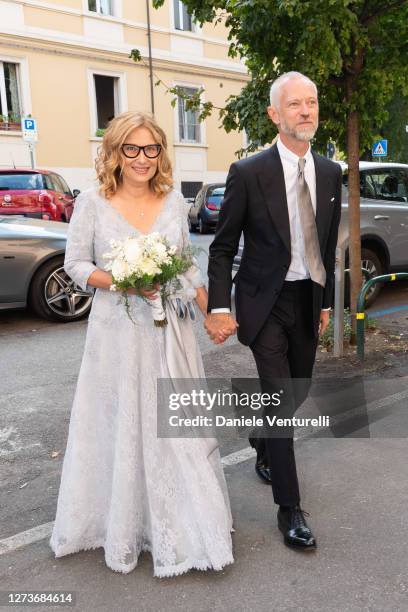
(285, 267)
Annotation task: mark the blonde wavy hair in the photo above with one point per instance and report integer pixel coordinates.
(109, 163)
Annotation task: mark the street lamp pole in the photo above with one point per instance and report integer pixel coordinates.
(149, 39)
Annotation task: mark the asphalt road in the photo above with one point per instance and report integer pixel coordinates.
(355, 490)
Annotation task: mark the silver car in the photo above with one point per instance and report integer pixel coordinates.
(384, 219)
(32, 273)
(383, 224)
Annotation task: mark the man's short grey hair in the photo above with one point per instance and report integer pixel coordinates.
(275, 92)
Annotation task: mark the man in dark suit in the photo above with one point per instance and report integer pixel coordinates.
(287, 202)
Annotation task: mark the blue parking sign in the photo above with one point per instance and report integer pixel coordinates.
(30, 129)
(380, 148)
(30, 125)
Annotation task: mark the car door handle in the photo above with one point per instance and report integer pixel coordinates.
(381, 217)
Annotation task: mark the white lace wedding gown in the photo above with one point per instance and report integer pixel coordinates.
(123, 488)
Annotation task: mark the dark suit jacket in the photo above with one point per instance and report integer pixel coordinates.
(255, 204)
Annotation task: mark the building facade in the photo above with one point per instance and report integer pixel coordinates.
(66, 63)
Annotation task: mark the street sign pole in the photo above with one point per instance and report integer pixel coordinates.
(31, 149)
(30, 135)
(338, 334)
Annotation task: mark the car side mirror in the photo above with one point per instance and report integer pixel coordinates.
(76, 192)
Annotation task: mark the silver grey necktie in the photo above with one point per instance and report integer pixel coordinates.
(308, 222)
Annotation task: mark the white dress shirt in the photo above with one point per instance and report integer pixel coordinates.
(298, 269)
(298, 266)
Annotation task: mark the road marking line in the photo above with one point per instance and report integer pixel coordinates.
(25, 537)
(239, 456)
(31, 536)
(370, 408)
(41, 532)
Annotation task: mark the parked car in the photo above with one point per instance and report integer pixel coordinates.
(383, 224)
(203, 214)
(32, 273)
(39, 194)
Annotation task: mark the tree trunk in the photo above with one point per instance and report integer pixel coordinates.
(353, 152)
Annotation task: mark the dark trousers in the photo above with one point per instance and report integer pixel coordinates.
(285, 348)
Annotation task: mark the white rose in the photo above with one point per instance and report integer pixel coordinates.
(132, 250)
(148, 266)
(120, 269)
(172, 250)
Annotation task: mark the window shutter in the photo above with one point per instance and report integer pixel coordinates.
(177, 23)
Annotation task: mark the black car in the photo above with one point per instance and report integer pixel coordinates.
(203, 214)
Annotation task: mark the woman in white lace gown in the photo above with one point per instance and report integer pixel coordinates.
(123, 488)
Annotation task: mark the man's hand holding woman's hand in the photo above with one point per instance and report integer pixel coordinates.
(220, 326)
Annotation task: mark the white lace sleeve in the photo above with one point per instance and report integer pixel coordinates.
(79, 253)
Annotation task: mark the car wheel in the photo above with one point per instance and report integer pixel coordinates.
(371, 266)
(191, 226)
(54, 295)
(202, 227)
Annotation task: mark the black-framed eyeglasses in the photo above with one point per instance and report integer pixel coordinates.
(151, 151)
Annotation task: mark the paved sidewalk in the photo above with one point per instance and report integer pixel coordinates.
(355, 491)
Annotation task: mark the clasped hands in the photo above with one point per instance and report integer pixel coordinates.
(220, 326)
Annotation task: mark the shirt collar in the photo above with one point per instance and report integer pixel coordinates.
(289, 156)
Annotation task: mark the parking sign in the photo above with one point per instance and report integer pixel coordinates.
(30, 133)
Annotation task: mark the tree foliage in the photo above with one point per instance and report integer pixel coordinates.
(355, 50)
(394, 128)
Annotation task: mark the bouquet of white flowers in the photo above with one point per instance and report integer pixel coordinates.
(145, 262)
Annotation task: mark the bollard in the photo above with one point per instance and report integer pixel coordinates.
(360, 314)
(338, 332)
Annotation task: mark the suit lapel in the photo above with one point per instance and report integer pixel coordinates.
(323, 211)
(272, 183)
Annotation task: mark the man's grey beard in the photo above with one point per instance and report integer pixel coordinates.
(303, 135)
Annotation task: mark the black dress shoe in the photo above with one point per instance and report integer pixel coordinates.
(296, 533)
(264, 473)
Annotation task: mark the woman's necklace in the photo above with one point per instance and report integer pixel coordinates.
(139, 211)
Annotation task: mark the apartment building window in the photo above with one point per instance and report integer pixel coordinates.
(189, 126)
(189, 189)
(182, 18)
(103, 7)
(10, 107)
(106, 94)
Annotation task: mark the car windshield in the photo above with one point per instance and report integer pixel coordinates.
(11, 218)
(21, 181)
(215, 195)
